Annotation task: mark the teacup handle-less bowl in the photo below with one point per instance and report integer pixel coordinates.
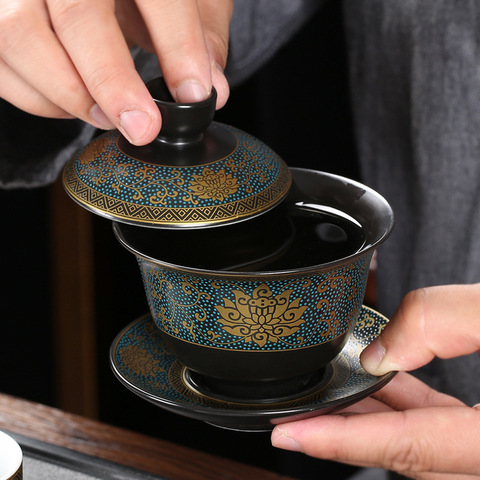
(266, 333)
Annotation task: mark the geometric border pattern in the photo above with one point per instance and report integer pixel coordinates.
(110, 204)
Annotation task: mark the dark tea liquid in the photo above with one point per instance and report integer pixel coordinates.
(318, 238)
(286, 238)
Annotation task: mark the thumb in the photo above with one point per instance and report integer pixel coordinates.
(430, 322)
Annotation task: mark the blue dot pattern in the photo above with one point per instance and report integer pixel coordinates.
(248, 181)
(143, 363)
(252, 313)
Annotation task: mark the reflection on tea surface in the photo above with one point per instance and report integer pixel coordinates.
(288, 237)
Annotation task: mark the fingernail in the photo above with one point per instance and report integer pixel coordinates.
(372, 357)
(281, 439)
(190, 91)
(100, 119)
(134, 124)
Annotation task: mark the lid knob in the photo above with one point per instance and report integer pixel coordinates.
(197, 173)
(181, 122)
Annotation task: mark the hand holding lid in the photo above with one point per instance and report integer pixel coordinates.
(196, 173)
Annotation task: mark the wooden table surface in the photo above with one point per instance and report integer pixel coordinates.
(125, 447)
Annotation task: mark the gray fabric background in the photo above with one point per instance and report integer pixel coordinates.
(415, 77)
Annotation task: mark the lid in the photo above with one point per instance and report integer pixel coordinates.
(196, 173)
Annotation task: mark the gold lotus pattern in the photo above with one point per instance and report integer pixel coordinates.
(169, 382)
(262, 316)
(213, 185)
(251, 314)
(249, 180)
(140, 361)
(369, 323)
(102, 164)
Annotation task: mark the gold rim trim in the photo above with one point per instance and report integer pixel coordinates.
(114, 208)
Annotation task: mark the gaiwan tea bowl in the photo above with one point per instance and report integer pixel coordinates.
(256, 310)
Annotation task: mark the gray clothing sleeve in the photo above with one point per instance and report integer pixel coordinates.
(33, 150)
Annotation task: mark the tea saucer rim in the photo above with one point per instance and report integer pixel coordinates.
(270, 412)
(330, 406)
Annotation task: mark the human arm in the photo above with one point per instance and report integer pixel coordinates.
(407, 426)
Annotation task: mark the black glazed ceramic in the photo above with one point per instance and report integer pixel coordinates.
(197, 173)
(256, 309)
(142, 362)
(264, 328)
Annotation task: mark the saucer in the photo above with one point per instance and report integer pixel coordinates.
(141, 361)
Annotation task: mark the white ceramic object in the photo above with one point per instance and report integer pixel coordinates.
(10, 458)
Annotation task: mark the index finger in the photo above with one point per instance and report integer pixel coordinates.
(90, 33)
(432, 322)
(405, 442)
(403, 392)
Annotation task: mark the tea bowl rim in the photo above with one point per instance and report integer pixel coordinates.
(365, 250)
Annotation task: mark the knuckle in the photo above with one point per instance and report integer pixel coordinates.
(409, 453)
(66, 13)
(15, 22)
(408, 457)
(67, 8)
(415, 298)
(98, 79)
(412, 309)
